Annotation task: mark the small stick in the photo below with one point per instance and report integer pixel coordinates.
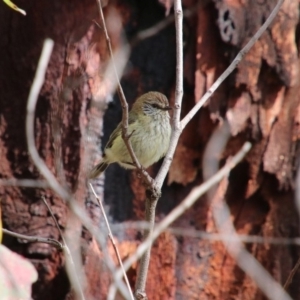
(54, 219)
(35, 239)
(111, 237)
(292, 274)
(73, 274)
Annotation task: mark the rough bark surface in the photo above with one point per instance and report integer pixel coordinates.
(77, 111)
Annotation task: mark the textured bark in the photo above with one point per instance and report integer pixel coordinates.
(260, 100)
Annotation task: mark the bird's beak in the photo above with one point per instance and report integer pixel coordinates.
(167, 108)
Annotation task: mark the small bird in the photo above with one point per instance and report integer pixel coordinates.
(150, 132)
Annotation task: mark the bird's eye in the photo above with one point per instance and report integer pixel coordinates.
(155, 105)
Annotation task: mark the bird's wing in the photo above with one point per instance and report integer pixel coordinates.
(118, 131)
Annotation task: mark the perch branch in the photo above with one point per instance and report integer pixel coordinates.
(176, 128)
(125, 134)
(151, 202)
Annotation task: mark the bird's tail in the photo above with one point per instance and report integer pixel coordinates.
(98, 169)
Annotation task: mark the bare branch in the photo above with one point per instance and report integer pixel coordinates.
(176, 131)
(221, 215)
(34, 239)
(111, 237)
(176, 128)
(232, 66)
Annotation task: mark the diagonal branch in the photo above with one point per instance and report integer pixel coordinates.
(184, 205)
(245, 260)
(111, 237)
(179, 127)
(232, 66)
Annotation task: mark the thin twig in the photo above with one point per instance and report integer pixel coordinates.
(155, 29)
(30, 183)
(125, 134)
(46, 173)
(184, 205)
(54, 219)
(34, 239)
(292, 274)
(73, 274)
(111, 237)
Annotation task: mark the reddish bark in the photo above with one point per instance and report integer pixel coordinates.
(260, 101)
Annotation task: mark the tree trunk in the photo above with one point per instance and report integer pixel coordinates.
(259, 102)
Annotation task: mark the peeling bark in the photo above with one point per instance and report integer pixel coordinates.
(260, 100)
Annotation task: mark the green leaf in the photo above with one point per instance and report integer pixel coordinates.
(15, 7)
